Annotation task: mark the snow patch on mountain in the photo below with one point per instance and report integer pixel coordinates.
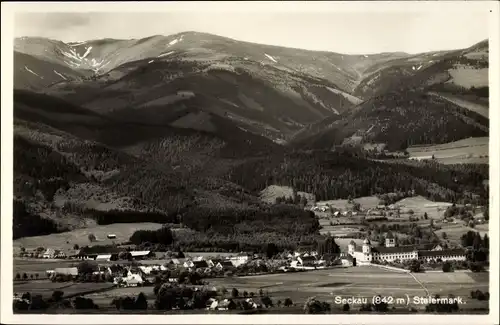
(86, 53)
(151, 61)
(270, 58)
(165, 54)
(77, 44)
(82, 61)
(175, 41)
(31, 71)
(60, 75)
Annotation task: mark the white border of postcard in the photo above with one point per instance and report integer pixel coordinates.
(8, 10)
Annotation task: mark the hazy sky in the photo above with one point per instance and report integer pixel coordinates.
(373, 32)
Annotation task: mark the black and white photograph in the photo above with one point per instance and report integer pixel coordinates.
(189, 160)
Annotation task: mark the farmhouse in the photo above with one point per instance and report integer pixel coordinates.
(224, 265)
(304, 261)
(188, 264)
(200, 265)
(140, 254)
(390, 252)
(213, 262)
(240, 259)
(103, 257)
(131, 280)
(49, 253)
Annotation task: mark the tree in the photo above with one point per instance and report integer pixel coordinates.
(447, 267)
(266, 301)
(271, 250)
(426, 216)
(141, 302)
(288, 302)
(314, 306)
(76, 246)
(346, 307)
(37, 275)
(415, 266)
(261, 292)
(84, 303)
(87, 267)
(57, 295)
(18, 276)
(26, 296)
(381, 306)
(234, 293)
(25, 276)
(328, 246)
(245, 294)
(92, 238)
(444, 235)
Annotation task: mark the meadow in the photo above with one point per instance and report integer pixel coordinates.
(471, 150)
(65, 241)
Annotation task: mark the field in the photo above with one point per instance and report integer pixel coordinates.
(66, 240)
(366, 202)
(270, 193)
(471, 150)
(326, 285)
(455, 231)
(421, 205)
(46, 287)
(467, 77)
(363, 281)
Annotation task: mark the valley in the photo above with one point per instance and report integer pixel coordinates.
(199, 143)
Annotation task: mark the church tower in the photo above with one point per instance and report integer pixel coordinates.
(351, 248)
(367, 249)
(390, 241)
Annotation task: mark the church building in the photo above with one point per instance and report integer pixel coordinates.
(367, 253)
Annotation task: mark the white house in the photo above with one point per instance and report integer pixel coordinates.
(140, 254)
(103, 257)
(198, 259)
(49, 253)
(240, 259)
(188, 264)
(224, 265)
(131, 280)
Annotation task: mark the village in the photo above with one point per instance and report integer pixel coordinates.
(359, 235)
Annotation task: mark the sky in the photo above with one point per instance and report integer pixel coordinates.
(349, 33)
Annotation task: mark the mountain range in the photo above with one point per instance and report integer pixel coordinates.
(166, 123)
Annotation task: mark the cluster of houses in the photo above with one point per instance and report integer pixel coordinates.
(49, 253)
(124, 275)
(350, 212)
